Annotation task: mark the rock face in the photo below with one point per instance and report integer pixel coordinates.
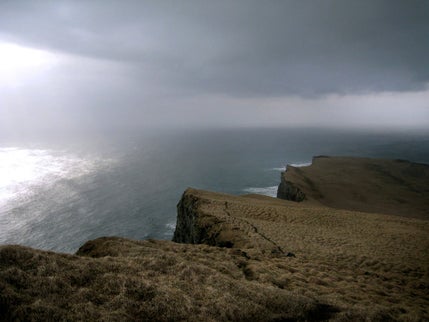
(288, 191)
(196, 227)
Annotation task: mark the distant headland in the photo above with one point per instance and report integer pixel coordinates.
(396, 187)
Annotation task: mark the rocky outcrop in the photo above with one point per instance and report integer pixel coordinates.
(288, 191)
(196, 226)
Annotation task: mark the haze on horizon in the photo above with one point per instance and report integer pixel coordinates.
(73, 65)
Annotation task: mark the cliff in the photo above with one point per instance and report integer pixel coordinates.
(396, 187)
(233, 258)
(289, 191)
(221, 220)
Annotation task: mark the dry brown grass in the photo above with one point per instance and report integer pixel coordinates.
(116, 279)
(358, 262)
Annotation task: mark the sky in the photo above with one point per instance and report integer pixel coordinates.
(75, 65)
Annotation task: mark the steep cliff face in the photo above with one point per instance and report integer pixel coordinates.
(195, 226)
(187, 230)
(289, 191)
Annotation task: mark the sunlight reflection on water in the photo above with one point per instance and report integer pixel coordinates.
(24, 170)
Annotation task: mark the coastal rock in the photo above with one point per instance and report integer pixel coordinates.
(288, 191)
(198, 227)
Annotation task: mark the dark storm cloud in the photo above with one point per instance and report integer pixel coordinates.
(239, 48)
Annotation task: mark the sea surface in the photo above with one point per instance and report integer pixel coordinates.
(58, 191)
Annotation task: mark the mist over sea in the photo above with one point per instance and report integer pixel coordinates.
(56, 192)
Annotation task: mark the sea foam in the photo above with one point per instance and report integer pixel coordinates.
(266, 191)
(300, 164)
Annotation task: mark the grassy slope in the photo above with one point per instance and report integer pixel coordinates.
(372, 185)
(351, 260)
(115, 279)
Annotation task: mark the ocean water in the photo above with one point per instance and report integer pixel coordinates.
(58, 192)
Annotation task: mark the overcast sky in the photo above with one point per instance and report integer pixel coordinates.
(101, 64)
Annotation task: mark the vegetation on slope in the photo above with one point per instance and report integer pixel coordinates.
(351, 260)
(395, 187)
(115, 279)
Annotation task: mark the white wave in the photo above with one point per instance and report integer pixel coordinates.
(171, 226)
(266, 191)
(301, 164)
(298, 164)
(278, 169)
